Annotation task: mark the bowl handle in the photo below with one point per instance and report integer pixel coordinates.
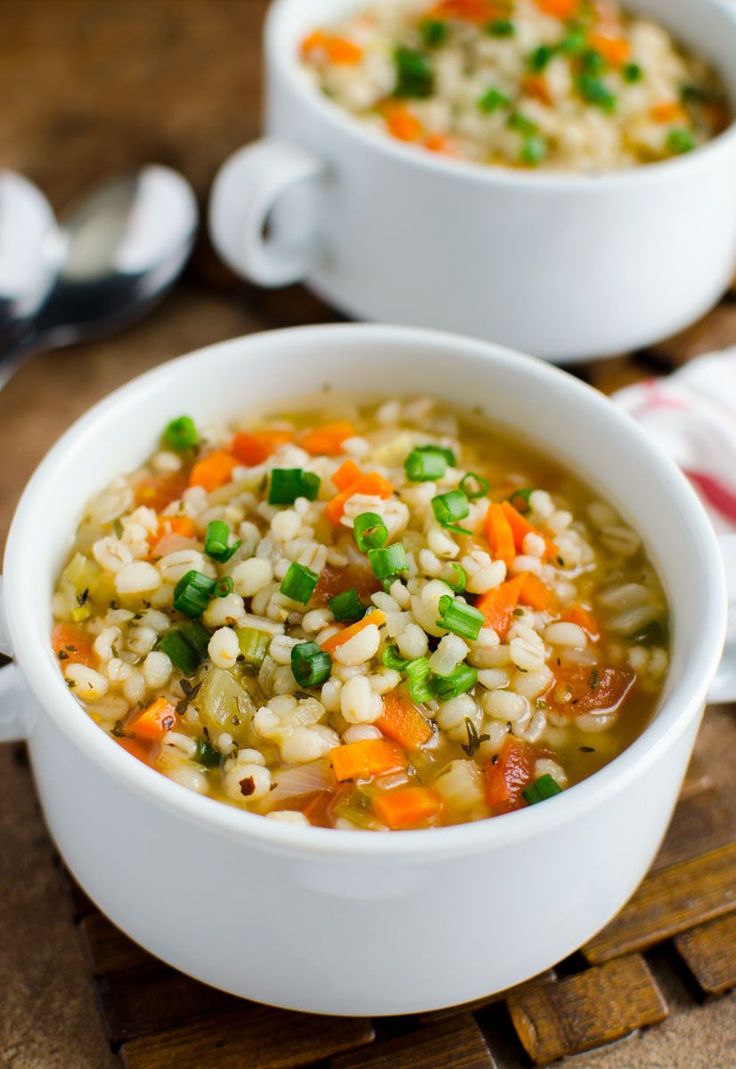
(724, 685)
(262, 212)
(16, 703)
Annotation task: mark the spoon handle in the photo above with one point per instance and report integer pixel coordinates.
(16, 354)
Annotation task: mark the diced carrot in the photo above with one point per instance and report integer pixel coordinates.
(578, 614)
(213, 471)
(372, 484)
(254, 447)
(347, 474)
(408, 807)
(536, 85)
(519, 525)
(668, 111)
(403, 722)
(498, 604)
(376, 617)
(158, 491)
(366, 759)
(339, 50)
(559, 9)
(141, 750)
(71, 646)
(327, 440)
(180, 525)
(536, 594)
(478, 11)
(615, 50)
(319, 807)
(402, 123)
(500, 534)
(507, 777)
(439, 143)
(154, 721)
(585, 688)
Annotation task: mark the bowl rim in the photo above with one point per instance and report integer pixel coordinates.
(539, 181)
(674, 716)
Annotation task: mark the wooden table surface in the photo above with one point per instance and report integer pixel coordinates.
(91, 88)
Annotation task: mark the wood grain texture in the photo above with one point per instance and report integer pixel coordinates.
(709, 952)
(450, 1044)
(669, 902)
(701, 822)
(254, 1038)
(107, 949)
(587, 1010)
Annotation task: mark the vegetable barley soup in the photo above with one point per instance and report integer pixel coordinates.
(573, 85)
(361, 617)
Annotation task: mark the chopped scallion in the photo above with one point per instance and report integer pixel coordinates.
(434, 32)
(458, 580)
(392, 659)
(533, 150)
(181, 434)
(287, 484)
(418, 673)
(543, 788)
(595, 91)
(253, 645)
(347, 607)
(414, 74)
(501, 28)
(193, 593)
(492, 100)
(450, 507)
(680, 141)
(370, 531)
(425, 465)
(310, 665)
(461, 619)
(206, 754)
(520, 499)
(388, 560)
(462, 679)
(541, 57)
(216, 542)
(474, 486)
(185, 646)
(633, 73)
(299, 583)
(224, 586)
(518, 122)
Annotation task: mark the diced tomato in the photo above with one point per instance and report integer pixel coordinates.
(584, 688)
(334, 581)
(158, 491)
(507, 774)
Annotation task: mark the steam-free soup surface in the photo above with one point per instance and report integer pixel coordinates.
(384, 617)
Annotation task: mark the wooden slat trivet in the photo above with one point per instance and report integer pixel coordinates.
(456, 1044)
(596, 1006)
(710, 953)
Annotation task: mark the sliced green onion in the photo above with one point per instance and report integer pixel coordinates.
(693, 94)
(592, 62)
(459, 577)
(425, 465)
(595, 91)
(651, 634)
(462, 679)
(474, 486)
(299, 583)
(287, 484)
(418, 673)
(310, 665)
(193, 593)
(206, 754)
(633, 73)
(457, 530)
(181, 434)
(253, 645)
(414, 74)
(461, 619)
(574, 43)
(680, 141)
(347, 607)
(541, 57)
(441, 449)
(520, 123)
(450, 507)
(224, 586)
(434, 32)
(185, 646)
(543, 788)
(216, 542)
(520, 499)
(501, 28)
(533, 150)
(370, 531)
(492, 100)
(388, 560)
(391, 658)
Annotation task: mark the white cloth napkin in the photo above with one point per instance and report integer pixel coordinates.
(692, 416)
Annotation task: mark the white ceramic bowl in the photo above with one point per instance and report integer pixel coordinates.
(566, 267)
(335, 921)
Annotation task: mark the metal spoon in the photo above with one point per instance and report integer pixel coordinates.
(121, 249)
(30, 250)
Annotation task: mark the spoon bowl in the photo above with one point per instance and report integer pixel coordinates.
(30, 252)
